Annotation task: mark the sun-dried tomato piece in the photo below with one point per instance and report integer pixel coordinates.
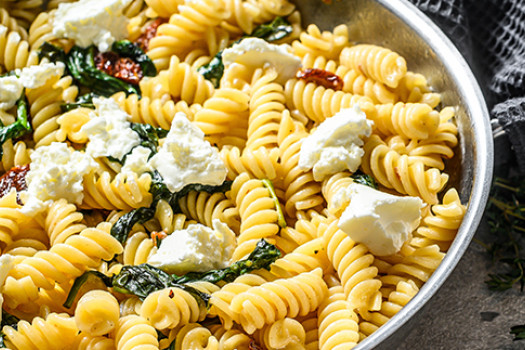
(157, 237)
(119, 67)
(149, 33)
(321, 77)
(14, 178)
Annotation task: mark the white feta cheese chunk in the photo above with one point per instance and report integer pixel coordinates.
(336, 145)
(109, 131)
(56, 172)
(137, 161)
(381, 221)
(92, 22)
(196, 248)
(36, 76)
(185, 157)
(6, 264)
(256, 52)
(10, 91)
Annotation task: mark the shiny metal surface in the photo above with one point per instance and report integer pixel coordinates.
(401, 27)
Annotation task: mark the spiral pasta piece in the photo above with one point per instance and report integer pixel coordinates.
(242, 16)
(41, 30)
(171, 307)
(11, 24)
(204, 207)
(396, 171)
(230, 339)
(356, 83)
(257, 212)
(301, 191)
(318, 103)
(266, 107)
(155, 112)
(441, 225)
(283, 334)
(331, 187)
(14, 51)
(186, 84)
(62, 221)
(413, 87)
(224, 118)
(62, 262)
(139, 246)
(353, 264)
(412, 120)
(88, 342)
(11, 218)
(261, 163)
(130, 306)
(24, 11)
(273, 301)
(45, 108)
(14, 155)
(97, 313)
(375, 62)
(269, 9)
(164, 8)
(398, 298)
(124, 192)
(338, 327)
(220, 300)
(305, 258)
(317, 43)
(185, 29)
(42, 333)
(135, 332)
(194, 336)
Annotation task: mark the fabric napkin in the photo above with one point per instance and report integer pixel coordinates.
(491, 36)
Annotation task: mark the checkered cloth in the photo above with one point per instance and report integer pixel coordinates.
(491, 36)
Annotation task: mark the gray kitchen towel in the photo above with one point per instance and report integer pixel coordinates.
(491, 36)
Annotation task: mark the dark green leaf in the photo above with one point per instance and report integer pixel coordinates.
(85, 101)
(262, 257)
(518, 332)
(364, 179)
(149, 135)
(140, 280)
(280, 215)
(7, 320)
(126, 48)
(81, 64)
(278, 29)
(20, 127)
(214, 70)
(52, 53)
(80, 281)
(125, 223)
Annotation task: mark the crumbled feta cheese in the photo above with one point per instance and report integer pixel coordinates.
(109, 131)
(36, 76)
(137, 161)
(196, 248)
(92, 22)
(6, 264)
(10, 91)
(256, 52)
(56, 172)
(383, 222)
(185, 157)
(336, 145)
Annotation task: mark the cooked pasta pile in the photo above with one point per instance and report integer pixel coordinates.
(325, 291)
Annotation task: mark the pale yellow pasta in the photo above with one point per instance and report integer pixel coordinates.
(14, 51)
(375, 62)
(171, 307)
(14, 155)
(23, 11)
(287, 333)
(273, 301)
(242, 16)
(62, 221)
(97, 313)
(164, 8)
(88, 342)
(135, 332)
(7, 21)
(261, 163)
(138, 247)
(412, 120)
(257, 212)
(231, 339)
(195, 336)
(327, 44)
(353, 264)
(124, 192)
(130, 306)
